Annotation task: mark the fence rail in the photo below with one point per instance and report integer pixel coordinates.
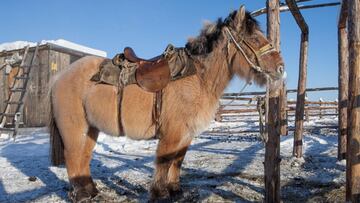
(245, 105)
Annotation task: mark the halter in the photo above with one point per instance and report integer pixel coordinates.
(258, 53)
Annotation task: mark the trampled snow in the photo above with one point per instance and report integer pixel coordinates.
(60, 42)
(219, 167)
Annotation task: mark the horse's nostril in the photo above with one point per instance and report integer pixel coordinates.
(280, 69)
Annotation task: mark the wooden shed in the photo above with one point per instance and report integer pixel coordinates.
(50, 59)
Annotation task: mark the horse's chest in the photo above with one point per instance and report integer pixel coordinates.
(203, 113)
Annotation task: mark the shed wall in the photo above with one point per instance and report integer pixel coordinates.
(46, 65)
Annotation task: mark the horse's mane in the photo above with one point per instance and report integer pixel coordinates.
(211, 32)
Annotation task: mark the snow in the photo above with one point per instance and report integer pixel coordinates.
(60, 42)
(7, 46)
(226, 167)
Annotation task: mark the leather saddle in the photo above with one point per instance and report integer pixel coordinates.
(152, 74)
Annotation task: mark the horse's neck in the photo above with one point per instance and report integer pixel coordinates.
(217, 74)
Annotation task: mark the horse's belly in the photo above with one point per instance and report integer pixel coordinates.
(136, 113)
(101, 108)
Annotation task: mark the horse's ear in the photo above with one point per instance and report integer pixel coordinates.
(240, 17)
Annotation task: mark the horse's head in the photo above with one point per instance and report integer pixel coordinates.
(252, 55)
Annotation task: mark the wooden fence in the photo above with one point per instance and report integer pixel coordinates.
(245, 106)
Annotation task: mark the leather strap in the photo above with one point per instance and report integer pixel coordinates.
(120, 93)
(157, 112)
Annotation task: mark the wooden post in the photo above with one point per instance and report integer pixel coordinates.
(320, 110)
(284, 8)
(306, 109)
(354, 100)
(299, 116)
(342, 80)
(336, 104)
(272, 146)
(218, 115)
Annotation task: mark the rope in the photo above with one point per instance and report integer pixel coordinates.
(263, 110)
(267, 97)
(237, 95)
(260, 108)
(257, 68)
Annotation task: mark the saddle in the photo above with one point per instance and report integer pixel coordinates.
(130, 55)
(153, 74)
(150, 74)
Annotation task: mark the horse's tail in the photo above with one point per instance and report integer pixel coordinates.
(56, 143)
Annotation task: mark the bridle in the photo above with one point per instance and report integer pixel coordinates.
(258, 53)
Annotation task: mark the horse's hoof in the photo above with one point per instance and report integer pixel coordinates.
(158, 193)
(174, 189)
(100, 198)
(91, 189)
(80, 195)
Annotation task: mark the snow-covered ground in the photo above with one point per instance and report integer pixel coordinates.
(217, 168)
(7, 46)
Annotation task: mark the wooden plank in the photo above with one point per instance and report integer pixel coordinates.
(297, 15)
(315, 103)
(285, 8)
(257, 131)
(354, 100)
(272, 145)
(30, 107)
(3, 87)
(237, 111)
(343, 14)
(342, 80)
(315, 108)
(230, 95)
(299, 117)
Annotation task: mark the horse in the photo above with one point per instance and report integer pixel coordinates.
(81, 108)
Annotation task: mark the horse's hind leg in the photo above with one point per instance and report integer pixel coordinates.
(79, 141)
(85, 172)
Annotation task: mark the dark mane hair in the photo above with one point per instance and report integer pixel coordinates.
(210, 33)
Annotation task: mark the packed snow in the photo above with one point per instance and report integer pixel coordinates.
(60, 42)
(219, 167)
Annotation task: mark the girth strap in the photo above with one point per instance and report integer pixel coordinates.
(157, 112)
(120, 92)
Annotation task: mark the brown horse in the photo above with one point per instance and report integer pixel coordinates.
(81, 108)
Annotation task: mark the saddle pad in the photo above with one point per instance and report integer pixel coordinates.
(108, 74)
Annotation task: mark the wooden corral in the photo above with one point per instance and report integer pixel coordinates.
(317, 109)
(349, 100)
(50, 59)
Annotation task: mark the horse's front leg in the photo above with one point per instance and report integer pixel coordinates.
(169, 156)
(173, 181)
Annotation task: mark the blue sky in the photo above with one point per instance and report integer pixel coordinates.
(148, 26)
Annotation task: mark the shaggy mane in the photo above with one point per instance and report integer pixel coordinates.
(211, 32)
